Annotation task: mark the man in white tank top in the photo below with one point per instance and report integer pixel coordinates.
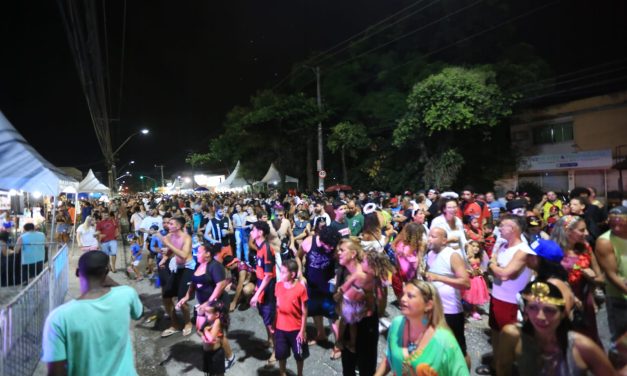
(447, 272)
(509, 268)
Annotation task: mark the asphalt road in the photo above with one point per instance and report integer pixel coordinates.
(178, 355)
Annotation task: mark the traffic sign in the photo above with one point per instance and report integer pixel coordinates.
(322, 174)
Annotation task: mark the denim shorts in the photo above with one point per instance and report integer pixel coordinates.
(110, 247)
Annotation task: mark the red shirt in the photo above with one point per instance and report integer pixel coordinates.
(265, 261)
(474, 209)
(108, 228)
(289, 313)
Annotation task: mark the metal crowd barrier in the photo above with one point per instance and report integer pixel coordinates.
(22, 318)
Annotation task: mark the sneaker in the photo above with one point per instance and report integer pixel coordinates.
(228, 363)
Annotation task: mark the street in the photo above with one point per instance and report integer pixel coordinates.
(178, 355)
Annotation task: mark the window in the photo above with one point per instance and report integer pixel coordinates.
(553, 133)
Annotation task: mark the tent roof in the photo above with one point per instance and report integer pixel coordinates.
(234, 180)
(92, 185)
(23, 168)
(273, 175)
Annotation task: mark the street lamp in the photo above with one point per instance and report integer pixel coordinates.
(111, 159)
(127, 164)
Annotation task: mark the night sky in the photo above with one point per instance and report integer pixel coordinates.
(187, 63)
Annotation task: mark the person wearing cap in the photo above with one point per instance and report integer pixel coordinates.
(611, 251)
(316, 265)
(90, 335)
(340, 224)
(546, 345)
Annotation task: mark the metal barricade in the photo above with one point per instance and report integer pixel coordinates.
(22, 319)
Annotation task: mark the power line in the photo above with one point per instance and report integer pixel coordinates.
(414, 31)
(377, 32)
(433, 52)
(122, 61)
(364, 32)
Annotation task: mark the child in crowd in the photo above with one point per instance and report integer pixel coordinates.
(211, 332)
(488, 239)
(136, 256)
(154, 246)
(291, 311)
(478, 293)
(473, 229)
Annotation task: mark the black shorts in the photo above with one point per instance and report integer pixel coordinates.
(284, 341)
(178, 283)
(456, 323)
(213, 361)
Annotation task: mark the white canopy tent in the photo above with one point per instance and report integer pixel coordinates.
(23, 168)
(233, 181)
(273, 176)
(90, 184)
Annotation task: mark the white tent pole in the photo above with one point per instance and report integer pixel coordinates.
(52, 226)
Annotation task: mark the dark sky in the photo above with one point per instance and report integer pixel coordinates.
(188, 62)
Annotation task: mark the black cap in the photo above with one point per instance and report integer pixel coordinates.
(338, 203)
(93, 264)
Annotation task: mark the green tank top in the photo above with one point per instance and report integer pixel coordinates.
(620, 251)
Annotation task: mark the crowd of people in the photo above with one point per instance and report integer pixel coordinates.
(539, 270)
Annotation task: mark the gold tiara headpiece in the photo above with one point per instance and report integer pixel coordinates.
(540, 293)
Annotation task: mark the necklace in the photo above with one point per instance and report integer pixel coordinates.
(413, 345)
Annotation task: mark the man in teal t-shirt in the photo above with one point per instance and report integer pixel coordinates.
(355, 218)
(90, 335)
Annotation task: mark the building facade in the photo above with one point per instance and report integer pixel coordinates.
(573, 144)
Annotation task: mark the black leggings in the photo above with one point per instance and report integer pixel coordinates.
(365, 357)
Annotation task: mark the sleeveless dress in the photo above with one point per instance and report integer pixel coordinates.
(478, 292)
(533, 363)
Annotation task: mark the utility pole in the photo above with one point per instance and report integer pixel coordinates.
(320, 146)
(162, 181)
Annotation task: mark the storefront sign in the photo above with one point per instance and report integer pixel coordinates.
(596, 159)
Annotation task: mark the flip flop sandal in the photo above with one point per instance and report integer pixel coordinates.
(316, 341)
(485, 370)
(187, 331)
(168, 332)
(336, 354)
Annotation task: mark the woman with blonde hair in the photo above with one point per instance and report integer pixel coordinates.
(419, 342)
(87, 236)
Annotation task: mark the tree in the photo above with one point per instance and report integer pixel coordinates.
(198, 159)
(453, 106)
(274, 128)
(347, 136)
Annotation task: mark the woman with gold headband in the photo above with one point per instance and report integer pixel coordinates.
(419, 342)
(546, 345)
(584, 273)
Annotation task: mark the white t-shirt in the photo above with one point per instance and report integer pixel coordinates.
(151, 221)
(457, 232)
(136, 220)
(441, 264)
(507, 290)
(87, 236)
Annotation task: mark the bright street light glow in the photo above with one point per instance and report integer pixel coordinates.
(36, 195)
(145, 131)
(131, 162)
(188, 180)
